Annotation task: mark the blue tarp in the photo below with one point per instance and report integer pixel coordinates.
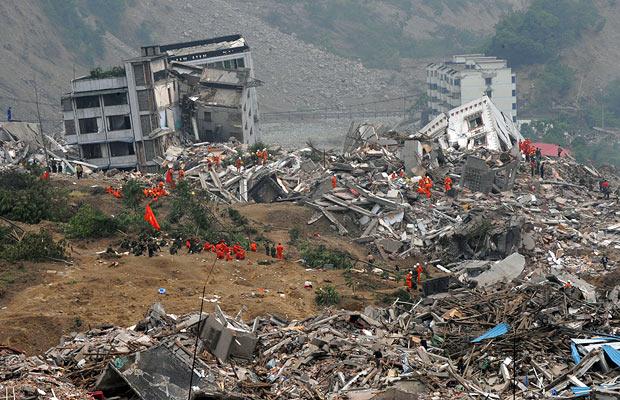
(612, 353)
(499, 330)
(580, 391)
(575, 353)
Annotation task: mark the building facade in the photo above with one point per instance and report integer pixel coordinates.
(469, 77)
(128, 116)
(226, 53)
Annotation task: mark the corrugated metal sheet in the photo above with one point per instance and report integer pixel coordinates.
(575, 353)
(613, 354)
(499, 330)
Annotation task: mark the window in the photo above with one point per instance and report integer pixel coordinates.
(90, 151)
(87, 102)
(120, 149)
(489, 93)
(457, 82)
(119, 122)
(514, 93)
(88, 125)
(488, 81)
(474, 121)
(138, 71)
(145, 124)
(206, 116)
(169, 96)
(160, 75)
(69, 127)
(514, 118)
(514, 106)
(240, 63)
(66, 104)
(114, 99)
(514, 79)
(145, 100)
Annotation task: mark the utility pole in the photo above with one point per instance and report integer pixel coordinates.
(36, 97)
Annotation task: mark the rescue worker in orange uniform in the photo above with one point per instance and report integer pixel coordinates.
(280, 251)
(419, 272)
(428, 185)
(334, 182)
(239, 164)
(253, 247)
(181, 174)
(240, 255)
(265, 156)
(169, 177)
(422, 186)
(447, 183)
(409, 281)
(206, 246)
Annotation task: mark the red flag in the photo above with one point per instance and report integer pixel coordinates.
(150, 217)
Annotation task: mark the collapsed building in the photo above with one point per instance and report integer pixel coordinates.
(128, 116)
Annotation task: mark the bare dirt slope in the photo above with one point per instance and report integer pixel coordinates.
(43, 301)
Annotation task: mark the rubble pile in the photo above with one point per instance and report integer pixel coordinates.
(539, 334)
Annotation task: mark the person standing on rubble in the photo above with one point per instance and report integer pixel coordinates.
(280, 251)
(169, 178)
(419, 270)
(604, 261)
(79, 170)
(267, 251)
(538, 153)
(428, 185)
(541, 169)
(239, 164)
(559, 151)
(409, 280)
(604, 186)
(532, 166)
(272, 250)
(447, 183)
(265, 156)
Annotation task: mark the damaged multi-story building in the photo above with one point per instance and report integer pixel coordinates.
(126, 117)
(468, 77)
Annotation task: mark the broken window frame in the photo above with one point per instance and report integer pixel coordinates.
(119, 122)
(84, 102)
(121, 149)
(115, 99)
(88, 125)
(91, 151)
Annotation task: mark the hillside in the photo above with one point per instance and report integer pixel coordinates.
(309, 54)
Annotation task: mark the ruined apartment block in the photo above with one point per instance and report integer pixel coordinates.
(127, 117)
(469, 77)
(221, 105)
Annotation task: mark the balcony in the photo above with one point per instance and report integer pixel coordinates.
(115, 162)
(101, 137)
(93, 85)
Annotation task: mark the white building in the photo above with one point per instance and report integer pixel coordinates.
(226, 53)
(468, 77)
(478, 123)
(127, 117)
(123, 121)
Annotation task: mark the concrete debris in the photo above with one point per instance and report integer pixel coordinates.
(421, 348)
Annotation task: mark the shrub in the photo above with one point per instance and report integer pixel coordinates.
(132, 194)
(318, 256)
(327, 296)
(89, 222)
(132, 222)
(294, 234)
(34, 247)
(189, 210)
(237, 217)
(24, 197)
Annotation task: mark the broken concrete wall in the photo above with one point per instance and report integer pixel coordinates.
(225, 341)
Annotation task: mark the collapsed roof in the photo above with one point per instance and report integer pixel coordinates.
(478, 123)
